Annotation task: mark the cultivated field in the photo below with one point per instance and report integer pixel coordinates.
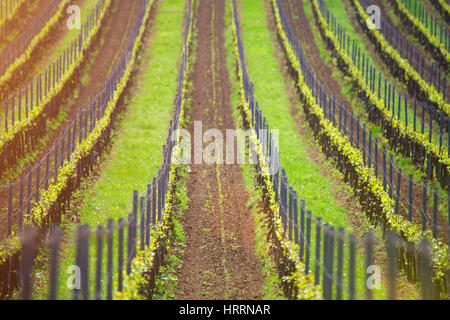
(224, 149)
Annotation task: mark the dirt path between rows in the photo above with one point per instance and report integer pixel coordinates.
(41, 54)
(219, 261)
(73, 213)
(296, 16)
(112, 39)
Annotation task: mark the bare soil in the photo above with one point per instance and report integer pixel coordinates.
(219, 261)
(299, 22)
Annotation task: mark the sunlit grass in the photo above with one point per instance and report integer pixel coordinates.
(402, 162)
(136, 154)
(304, 174)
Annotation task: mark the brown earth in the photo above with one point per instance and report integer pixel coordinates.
(299, 22)
(219, 261)
(72, 215)
(108, 46)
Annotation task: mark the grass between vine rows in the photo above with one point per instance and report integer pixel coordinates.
(271, 93)
(347, 90)
(136, 152)
(342, 10)
(70, 34)
(343, 18)
(62, 40)
(272, 285)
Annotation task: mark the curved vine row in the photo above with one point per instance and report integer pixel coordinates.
(427, 38)
(52, 201)
(365, 184)
(415, 144)
(417, 86)
(20, 137)
(24, 56)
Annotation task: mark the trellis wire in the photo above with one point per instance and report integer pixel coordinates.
(24, 99)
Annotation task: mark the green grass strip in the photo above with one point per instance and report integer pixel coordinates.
(37, 110)
(409, 73)
(407, 132)
(270, 91)
(33, 44)
(136, 155)
(372, 186)
(442, 7)
(304, 175)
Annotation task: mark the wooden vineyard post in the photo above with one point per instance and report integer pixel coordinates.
(99, 263)
(369, 262)
(317, 256)
(351, 266)
(109, 263)
(308, 241)
(28, 254)
(340, 263)
(55, 240)
(120, 255)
